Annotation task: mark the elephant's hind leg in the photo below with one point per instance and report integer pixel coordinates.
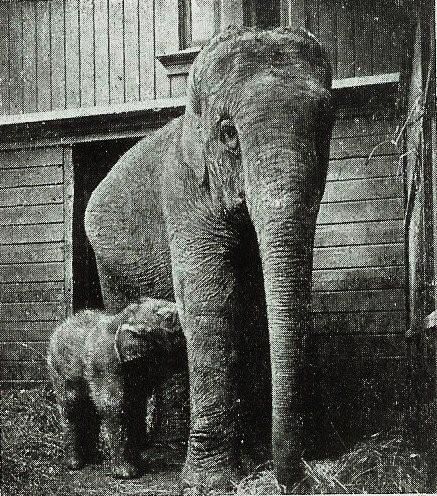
(78, 424)
(115, 298)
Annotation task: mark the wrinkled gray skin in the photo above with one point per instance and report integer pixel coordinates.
(231, 186)
(103, 368)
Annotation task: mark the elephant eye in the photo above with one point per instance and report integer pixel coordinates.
(228, 134)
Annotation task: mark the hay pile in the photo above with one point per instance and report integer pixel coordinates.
(31, 441)
(381, 464)
(32, 461)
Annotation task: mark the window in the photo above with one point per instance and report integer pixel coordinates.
(199, 20)
(263, 14)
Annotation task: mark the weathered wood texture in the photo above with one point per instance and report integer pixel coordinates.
(418, 97)
(358, 279)
(359, 304)
(34, 241)
(361, 38)
(73, 53)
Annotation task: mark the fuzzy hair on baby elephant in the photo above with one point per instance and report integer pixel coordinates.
(103, 369)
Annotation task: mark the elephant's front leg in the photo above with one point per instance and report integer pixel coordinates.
(206, 302)
(110, 398)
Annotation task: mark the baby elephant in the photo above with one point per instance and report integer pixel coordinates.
(104, 368)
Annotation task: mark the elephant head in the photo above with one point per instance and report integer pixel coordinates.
(256, 134)
(148, 330)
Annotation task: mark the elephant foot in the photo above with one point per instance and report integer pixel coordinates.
(203, 481)
(75, 462)
(125, 470)
(294, 480)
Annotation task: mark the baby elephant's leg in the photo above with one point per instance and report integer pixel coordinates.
(109, 397)
(72, 402)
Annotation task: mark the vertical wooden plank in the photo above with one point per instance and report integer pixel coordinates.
(231, 13)
(101, 52)
(328, 30)
(43, 55)
(345, 40)
(16, 58)
(72, 56)
(57, 56)
(166, 40)
(386, 39)
(116, 51)
(86, 37)
(131, 51)
(296, 13)
(68, 230)
(312, 16)
(363, 39)
(284, 13)
(4, 58)
(202, 25)
(146, 42)
(29, 57)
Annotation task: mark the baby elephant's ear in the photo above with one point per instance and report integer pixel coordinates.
(131, 341)
(169, 316)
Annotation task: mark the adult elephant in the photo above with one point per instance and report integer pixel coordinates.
(193, 208)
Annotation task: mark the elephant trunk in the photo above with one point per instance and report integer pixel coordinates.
(283, 206)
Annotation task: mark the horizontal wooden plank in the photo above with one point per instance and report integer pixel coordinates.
(359, 233)
(31, 233)
(53, 271)
(31, 214)
(361, 278)
(350, 127)
(24, 351)
(32, 195)
(33, 291)
(359, 211)
(359, 256)
(360, 168)
(360, 322)
(362, 146)
(31, 253)
(31, 311)
(26, 330)
(31, 177)
(23, 371)
(356, 346)
(31, 158)
(363, 301)
(363, 189)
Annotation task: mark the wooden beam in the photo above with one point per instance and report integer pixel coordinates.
(68, 230)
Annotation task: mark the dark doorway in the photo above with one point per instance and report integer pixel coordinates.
(92, 161)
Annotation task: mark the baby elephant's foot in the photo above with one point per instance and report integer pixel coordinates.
(75, 462)
(125, 470)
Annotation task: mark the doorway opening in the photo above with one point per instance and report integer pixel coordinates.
(92, 162)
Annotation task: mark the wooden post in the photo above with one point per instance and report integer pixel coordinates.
(68, 230)
(434, 147)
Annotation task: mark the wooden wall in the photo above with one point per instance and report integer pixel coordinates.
(359, 290)
(35, 256)
(77, 53)
(357, 351)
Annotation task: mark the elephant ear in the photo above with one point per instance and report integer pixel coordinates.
(192, 139)
(132, 341)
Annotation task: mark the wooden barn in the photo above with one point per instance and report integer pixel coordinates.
(82, 80)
